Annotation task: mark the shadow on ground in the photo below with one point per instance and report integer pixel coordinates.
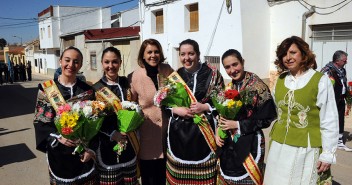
(16, 100)
(15, 153)
(348, 136)
(335, 183)
(4, 129)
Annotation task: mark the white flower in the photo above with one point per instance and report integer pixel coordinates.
(131, 106)
(76, 107)
(87, 111)
(226, 102)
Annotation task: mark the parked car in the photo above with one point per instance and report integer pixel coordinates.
(80, 75)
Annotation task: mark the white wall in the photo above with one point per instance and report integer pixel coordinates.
(67, 19)
(75, 19)
(255, 23)
(286, 20)
(45, 41)
(130, 18)
(214, 39)
(254, 29)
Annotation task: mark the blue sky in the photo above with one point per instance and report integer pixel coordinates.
(27, 10)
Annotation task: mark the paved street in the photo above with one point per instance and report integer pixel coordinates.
(21, 163)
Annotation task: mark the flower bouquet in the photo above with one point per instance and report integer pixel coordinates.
(176, 93)
(80, 121)
(228, 104)
(173, 94)
(130, 117)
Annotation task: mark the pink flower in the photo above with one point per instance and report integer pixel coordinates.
(82, 104)
(49, 115)
(63, 108)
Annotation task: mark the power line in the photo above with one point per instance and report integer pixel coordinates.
(317, 7)
(18, 19)
(319, 13)
(64, 17)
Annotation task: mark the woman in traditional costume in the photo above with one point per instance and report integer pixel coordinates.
(114, 167)
(305, 134)
(242, 154)
(145, 82)
(64, 167)
(191, 148)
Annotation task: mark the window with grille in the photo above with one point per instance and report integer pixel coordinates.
(193, 17)
(93, 60)
(330, 32)
(213, 60)
(159, 21)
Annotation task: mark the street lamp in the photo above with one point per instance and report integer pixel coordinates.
(19, 38)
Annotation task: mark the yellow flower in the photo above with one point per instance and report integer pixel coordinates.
(63, 119)
(75, 115)
(72, 120)
(239, 104)
(230, 104)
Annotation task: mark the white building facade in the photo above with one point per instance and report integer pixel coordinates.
(125, 18)
(327, 29)
(254, 28)
(58, 21)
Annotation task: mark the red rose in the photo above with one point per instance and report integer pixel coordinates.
(350, 83)
(66, 130)
(231, 94)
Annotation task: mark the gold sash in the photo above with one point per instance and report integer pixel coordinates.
(253, 170)
(205, 128)
(53, 94)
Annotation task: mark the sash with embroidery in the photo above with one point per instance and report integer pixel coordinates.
(204, 125)
(52, 92)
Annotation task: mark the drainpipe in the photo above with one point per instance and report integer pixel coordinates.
(304, 20)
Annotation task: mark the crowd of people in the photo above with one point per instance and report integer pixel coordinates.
(305, 109)
(15, 73)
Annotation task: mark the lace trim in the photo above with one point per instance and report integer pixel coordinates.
(238, 178)
(180, 160)
(73, 179)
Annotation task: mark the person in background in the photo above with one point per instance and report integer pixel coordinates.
(23, 72)
(144, 83)
(16, 69)
(11, 72)
(337, 74)
(29, 71)
(2, 69)
(114, 168)
(7, 74)
(190, 158)
(306, 110)
(64, 167)
(257, 112)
